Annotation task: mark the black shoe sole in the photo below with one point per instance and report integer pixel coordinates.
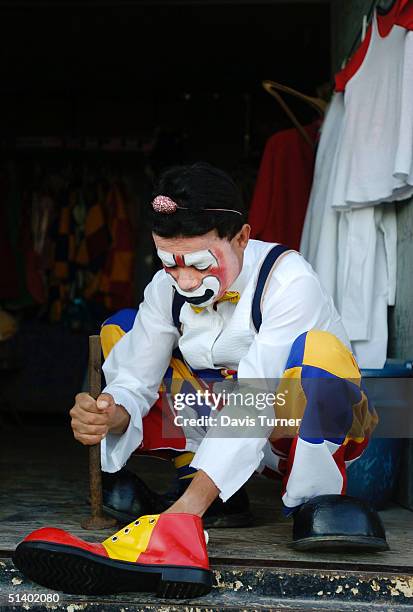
(344, 543)
(72, 570)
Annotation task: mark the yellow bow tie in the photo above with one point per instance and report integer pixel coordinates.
(229, 296)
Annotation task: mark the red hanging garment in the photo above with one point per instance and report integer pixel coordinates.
(283, 187)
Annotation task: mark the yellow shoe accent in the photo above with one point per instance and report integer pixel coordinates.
(132, 540)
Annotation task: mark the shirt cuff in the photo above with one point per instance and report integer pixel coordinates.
(115, 449)
(229, 462)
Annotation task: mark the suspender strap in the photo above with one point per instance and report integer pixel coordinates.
(177, 303)
(266, 269)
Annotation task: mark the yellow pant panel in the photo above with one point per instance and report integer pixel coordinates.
(294, 399)
(109, 336)
(324, 350)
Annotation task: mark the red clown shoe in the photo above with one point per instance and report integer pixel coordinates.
(162, 553)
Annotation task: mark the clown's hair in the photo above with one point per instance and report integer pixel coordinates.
(196, 188)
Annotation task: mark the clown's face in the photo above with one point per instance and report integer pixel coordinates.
(202, 268)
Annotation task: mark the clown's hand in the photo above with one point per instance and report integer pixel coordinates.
(93, 419)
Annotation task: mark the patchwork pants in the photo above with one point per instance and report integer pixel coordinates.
(322, 388)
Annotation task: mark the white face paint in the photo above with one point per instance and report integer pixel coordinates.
(203, 261)
(166, 258)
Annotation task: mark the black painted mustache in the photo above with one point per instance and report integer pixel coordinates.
(200, 299)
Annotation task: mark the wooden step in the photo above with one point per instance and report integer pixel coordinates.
(235, 588)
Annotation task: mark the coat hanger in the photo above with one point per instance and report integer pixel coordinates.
(317, 103)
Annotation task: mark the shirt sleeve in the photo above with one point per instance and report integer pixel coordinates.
(288, 311)
(135, 367)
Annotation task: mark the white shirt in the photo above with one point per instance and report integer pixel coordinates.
(294, 302)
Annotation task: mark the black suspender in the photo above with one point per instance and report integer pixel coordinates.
(266, 267)
(177, 303)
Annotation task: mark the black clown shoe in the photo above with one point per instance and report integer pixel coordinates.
(338, 522)
(126, 496)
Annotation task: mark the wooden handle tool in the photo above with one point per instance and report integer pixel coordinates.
(97, 520)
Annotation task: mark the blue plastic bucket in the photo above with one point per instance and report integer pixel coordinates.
(373, 477)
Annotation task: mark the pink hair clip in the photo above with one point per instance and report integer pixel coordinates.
(165, 205)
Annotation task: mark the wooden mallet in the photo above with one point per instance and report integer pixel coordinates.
(97, 520)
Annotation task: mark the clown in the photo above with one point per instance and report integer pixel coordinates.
(223, 310)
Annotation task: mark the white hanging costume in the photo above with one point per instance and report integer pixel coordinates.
(365, 159)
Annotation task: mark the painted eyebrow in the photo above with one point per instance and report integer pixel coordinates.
(199, 257)
(167, 258)
(195, 258)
